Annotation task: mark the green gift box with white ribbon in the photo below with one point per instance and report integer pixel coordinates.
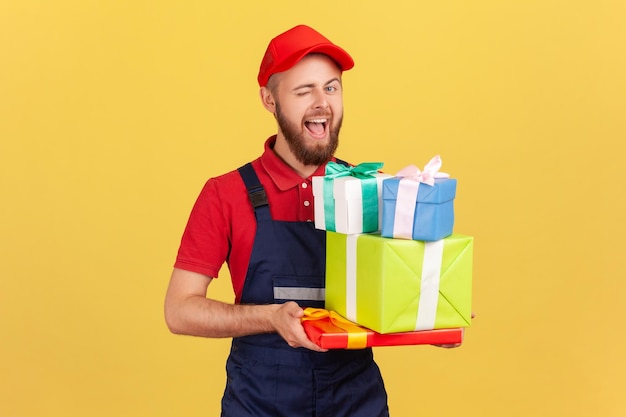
(397, 285)
(349, 199)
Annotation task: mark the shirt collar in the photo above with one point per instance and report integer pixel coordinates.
(282, 174)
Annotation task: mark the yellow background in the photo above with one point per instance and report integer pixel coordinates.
(114, 113)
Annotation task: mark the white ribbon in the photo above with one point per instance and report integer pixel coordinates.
(405, 209)
(351, 244)
(429, 287)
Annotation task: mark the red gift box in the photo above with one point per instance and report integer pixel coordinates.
(329, 330)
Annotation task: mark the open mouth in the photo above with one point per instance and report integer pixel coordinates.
(316, 127)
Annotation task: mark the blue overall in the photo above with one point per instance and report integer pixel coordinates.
(267, 377)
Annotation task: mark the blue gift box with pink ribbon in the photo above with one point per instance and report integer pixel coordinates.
(419, 205)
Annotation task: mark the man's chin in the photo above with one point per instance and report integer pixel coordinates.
(319, 146)
(311, 149)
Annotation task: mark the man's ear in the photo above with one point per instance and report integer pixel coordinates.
(267, 99)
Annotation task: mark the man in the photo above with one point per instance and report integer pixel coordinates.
(259, 219)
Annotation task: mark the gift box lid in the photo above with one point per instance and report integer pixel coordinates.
(443, 190)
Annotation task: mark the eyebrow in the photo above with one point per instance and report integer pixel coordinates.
(332, 80)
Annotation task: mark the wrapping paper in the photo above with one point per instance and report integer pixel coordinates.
(418, 204)
(330, 332)
(397, 285)
(349, 200)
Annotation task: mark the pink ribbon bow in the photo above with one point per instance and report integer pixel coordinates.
(428, 175)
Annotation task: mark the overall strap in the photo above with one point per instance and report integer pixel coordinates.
(256, 192)
(344, 163)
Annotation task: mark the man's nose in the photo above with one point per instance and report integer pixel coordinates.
(320, 101)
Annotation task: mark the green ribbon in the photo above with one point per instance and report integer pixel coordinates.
(369, 191)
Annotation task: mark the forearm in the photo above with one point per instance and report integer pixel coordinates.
(201, 316)
(188, 311)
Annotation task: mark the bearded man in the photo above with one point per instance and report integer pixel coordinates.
(259, 220)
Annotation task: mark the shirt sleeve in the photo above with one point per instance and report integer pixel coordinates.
(205, 242)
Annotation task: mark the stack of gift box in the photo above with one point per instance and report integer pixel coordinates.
(396, 274)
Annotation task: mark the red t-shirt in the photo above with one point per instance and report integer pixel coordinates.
(222, 226)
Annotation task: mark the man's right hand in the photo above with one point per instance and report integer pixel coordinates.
(287, 322)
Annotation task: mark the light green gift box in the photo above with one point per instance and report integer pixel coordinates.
(397, 285)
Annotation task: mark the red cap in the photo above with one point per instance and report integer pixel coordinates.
(286, 49)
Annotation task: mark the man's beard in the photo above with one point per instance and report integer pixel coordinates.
(313, 155)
